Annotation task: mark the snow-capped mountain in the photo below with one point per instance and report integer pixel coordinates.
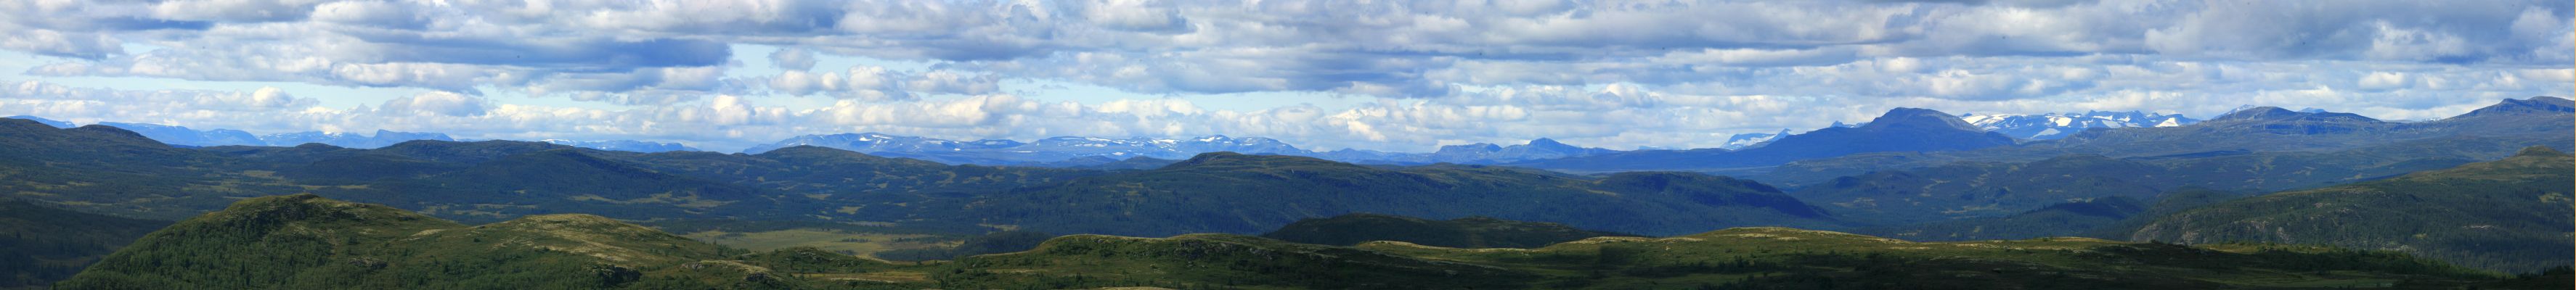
(1748, 140)
(624, 145)
(2056, 125)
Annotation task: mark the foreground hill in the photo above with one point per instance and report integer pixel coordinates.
(307, 242)
(2511, 215)
(1469, 232)
(1238, 193)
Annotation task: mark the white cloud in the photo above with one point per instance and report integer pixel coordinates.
(1612, 73)
(792, 59)
(441, 103)
(879, 83)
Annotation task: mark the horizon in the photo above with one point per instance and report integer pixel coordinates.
(740, 75)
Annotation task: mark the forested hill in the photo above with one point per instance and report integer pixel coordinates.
(2509, 215)
(309, 242)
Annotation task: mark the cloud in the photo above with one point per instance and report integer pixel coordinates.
(57, 43)
(1414, 74)
(1387, 49)
(792, 59)
(880, 83)
(442, 103)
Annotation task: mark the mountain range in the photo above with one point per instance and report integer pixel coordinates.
(184, 136)
(122, 172)
(1899, 130)
(1077, 151)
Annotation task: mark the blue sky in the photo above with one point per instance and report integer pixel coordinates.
(1384, 75)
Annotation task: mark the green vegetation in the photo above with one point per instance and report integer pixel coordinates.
(40, 245)
(307, 242)
(1990, 189)
(2099, 217)
(840, 242)
(993, 243)
(2509, 215)
(1469, 232)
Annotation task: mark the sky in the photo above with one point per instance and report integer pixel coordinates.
(1324, 75)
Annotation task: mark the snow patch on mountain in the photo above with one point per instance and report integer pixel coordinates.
(2059, 125)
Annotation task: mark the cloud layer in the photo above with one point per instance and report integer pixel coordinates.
(1604, 73)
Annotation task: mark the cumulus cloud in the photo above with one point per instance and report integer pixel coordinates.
(879, 83)
(792, 59)
(441, 103)
(1387, 49)
(1613, 73)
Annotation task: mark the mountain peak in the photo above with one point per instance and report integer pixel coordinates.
(1549, 145)
(2268, 113)
(1919, 118)
(2533, 105)
(1545, 142)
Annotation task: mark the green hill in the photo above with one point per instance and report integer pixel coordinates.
(2508, 215)
(2088, 218)
(1469, 232)
(308, 242)
(1990, 189)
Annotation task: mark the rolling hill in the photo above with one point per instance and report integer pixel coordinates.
(2508, 215)
(308, 242)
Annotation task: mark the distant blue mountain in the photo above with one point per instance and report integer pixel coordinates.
(2541, 104)
(1748, 140)
(182, 136)
(1057, 150)
(625, 145)
(1899, 130)
(382, 138)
